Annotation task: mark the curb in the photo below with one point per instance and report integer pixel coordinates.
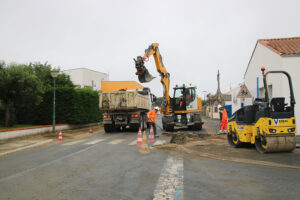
(35, 131)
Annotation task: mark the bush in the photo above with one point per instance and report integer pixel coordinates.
(73, 106)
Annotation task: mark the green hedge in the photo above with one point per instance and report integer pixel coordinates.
(73, 106)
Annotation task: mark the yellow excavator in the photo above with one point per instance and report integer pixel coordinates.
(269, 124)
(185, 108)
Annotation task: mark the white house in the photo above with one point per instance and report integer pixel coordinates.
(240, 97)
(86, 78)
(276, 54)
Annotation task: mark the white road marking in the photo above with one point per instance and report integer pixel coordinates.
(44, 164)
(95, 141)
(116, 141)
(170, 182)
(71, 143)
(26, 147)
(132, 143)
(159, 142)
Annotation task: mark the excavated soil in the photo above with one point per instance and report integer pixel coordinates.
(208, 144)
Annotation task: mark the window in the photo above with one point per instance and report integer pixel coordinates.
(178, 93)
(192, 92)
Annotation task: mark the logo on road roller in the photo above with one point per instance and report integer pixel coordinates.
(279, 121)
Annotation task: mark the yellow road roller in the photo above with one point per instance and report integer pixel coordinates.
(269, 124)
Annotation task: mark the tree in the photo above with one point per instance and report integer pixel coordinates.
(27, 113)
(43, 72)
(18, 84)
(158, 101)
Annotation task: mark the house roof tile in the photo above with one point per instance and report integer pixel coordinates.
(282, 46)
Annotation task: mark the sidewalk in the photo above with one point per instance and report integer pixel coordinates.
(15, 133)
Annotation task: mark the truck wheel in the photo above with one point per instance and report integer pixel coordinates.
(145, 122)
(107, 128)
(164, 127)
(141, 123)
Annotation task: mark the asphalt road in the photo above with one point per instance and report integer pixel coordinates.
(108, 166)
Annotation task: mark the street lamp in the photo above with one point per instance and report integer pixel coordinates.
(54, 74)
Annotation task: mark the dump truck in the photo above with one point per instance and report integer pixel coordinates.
(125, 105)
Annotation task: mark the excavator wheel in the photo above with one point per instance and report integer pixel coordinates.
(233, 140)
(197, 127)
(169, 127)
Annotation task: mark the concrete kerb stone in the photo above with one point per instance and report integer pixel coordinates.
(298, 141)
(35, 131)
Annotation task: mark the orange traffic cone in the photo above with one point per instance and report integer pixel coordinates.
(144, 148)
(60, 136)
(91, 130)
(151, 135)
(139, 137)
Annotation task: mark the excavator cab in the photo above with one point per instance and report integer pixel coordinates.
(183, 97)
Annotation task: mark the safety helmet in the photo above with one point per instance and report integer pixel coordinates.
(156, 108)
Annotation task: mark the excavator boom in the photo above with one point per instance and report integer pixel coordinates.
(144, 76)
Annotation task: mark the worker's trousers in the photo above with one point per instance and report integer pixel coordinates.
(154, 127)
(223, 125)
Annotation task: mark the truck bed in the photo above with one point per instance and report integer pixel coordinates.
(123, 100)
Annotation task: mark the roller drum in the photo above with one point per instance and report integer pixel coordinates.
(276, 143)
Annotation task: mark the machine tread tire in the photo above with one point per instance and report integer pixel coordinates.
(169, 128)
(234, 142)
(107, 128)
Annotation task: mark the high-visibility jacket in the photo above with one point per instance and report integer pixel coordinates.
(152, 116)
(224, 115)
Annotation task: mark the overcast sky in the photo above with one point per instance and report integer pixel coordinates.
(196, 37)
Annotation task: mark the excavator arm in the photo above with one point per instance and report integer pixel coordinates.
(144, 76)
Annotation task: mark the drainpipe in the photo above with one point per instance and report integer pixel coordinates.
(257, 86)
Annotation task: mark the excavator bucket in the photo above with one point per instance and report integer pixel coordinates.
(143, 74)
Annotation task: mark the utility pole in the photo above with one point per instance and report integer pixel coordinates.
(54, 74)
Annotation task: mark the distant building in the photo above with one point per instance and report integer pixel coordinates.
(86, 78)
(275, 54)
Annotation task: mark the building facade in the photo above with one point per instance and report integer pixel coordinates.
(275, 54)
(86, 78)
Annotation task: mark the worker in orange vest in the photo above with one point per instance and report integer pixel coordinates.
(152, 115)
(224, 118)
